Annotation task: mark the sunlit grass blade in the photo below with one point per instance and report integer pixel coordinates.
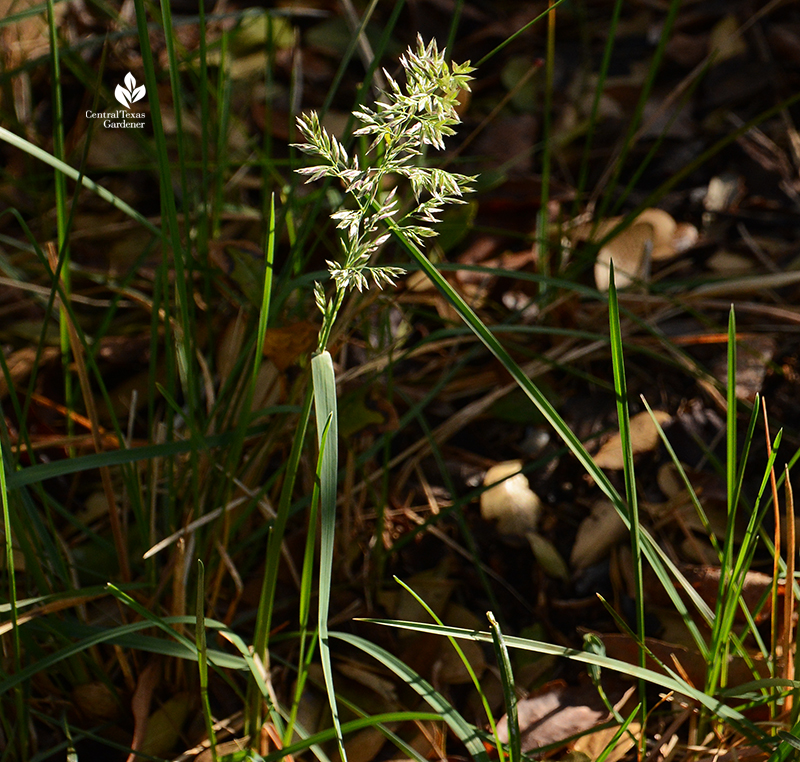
(509, 692)
(623, 417)
(325, 406)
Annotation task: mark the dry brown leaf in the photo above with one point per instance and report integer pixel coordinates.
(593, 744)
(652, 236)
(165, 724)
(140, 706)
(230, 346)
(512, 503)
(365, 745)
(644, 438)
(629, 251)
(727, 263)
(285, 345)
(692, 663)
(96, 701)
(556, 713)
(755, 352)
(451, 668)
(433, 587)
(21, 364)
(600, 531)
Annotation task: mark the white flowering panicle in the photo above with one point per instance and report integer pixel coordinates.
(421, 113)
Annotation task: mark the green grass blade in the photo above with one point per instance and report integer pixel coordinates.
(731, 423)
(509, 691)
(623, 416)
(516, 34)
(612, 744)
(602, 74)
(37, 153)
(325, 406)
(273, 556)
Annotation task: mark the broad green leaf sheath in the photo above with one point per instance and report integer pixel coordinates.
(324, 382)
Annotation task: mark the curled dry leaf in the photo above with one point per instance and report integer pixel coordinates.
(230, 345)
(652, 236)
(96, 701)
(726, 41)
(600, 531)
(630, 252)
(511, 502)
(644, 438)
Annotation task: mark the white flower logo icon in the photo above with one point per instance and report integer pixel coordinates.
(131, 94)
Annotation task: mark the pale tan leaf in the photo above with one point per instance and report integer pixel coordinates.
(594, 744)
(728, 263)
(511, 502)
(629, 251)
(164, 725)
(644, 438)
(600, 531)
